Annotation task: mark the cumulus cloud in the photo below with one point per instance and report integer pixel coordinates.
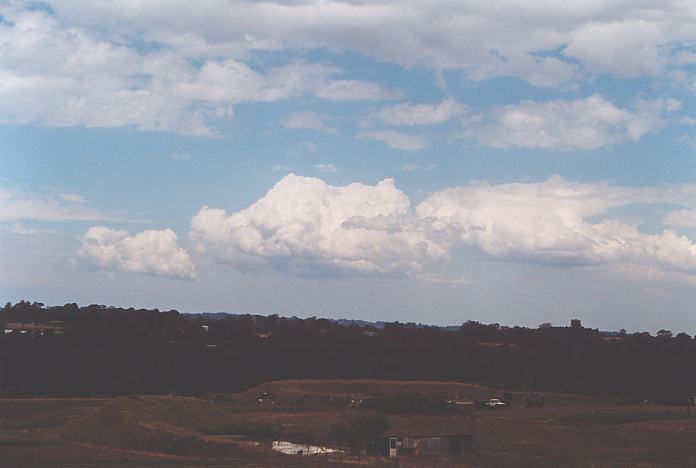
(557, 222)
(421, 114)
(303, 224)
(149, 252)
(545, 43)
(59, 75)
(395, 139)
(308, 120)
(151, 67)
(584, 124)
(681, 218)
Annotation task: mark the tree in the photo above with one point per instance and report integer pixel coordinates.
(664, 334)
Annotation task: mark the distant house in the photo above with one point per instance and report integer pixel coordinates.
(524, 398)
(575, 323)
(441, 445)
(545, 325)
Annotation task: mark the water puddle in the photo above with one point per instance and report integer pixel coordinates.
(293, 448)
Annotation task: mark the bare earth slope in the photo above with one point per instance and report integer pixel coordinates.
(293, 391)
(170, 424)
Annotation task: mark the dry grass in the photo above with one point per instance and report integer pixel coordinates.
(173, 425)
(313, 392)
(176, 431)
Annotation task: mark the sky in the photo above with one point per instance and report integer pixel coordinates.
(516, 161)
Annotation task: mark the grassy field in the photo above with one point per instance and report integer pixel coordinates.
(237, 429)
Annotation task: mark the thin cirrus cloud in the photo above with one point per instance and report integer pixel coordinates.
(17, 204)
(308, 120)
(395, 139)
(149, 252)
(579, 124)
(328, 168)
(409, 114)
(303, 224)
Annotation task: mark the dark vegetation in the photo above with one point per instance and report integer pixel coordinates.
(107, 351)
(360, 431)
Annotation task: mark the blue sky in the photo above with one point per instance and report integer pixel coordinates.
(437, 162)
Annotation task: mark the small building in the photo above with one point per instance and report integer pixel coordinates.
(442, 445)
(515, 398)
(535, 399)
(545, 325)
(690, 403)
(575, 323)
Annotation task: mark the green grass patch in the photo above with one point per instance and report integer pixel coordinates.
(252, 430)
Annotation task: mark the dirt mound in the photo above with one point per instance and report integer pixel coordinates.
(175, 425)
(299, 391)
(292, 391)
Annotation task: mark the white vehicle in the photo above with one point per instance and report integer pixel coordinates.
(495, 403)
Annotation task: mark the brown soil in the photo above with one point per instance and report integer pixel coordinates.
(178, 431)
(293, 391)
(170, 425)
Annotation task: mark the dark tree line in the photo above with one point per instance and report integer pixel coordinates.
(114, 351)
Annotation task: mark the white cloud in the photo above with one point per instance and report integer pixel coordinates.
(355, 90)
(326, 168)
(69, 76)
(304, 225)
(149, 252)
(557, 222)
(544, 42)
(585, 124)
(421, 114)
(279, 168)
(416, 167)
(395, 139)
(19, 229)
(179, 157)
(115, 64)
(18, 204)
(308, 120)
(681, 218)
(625, 46)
